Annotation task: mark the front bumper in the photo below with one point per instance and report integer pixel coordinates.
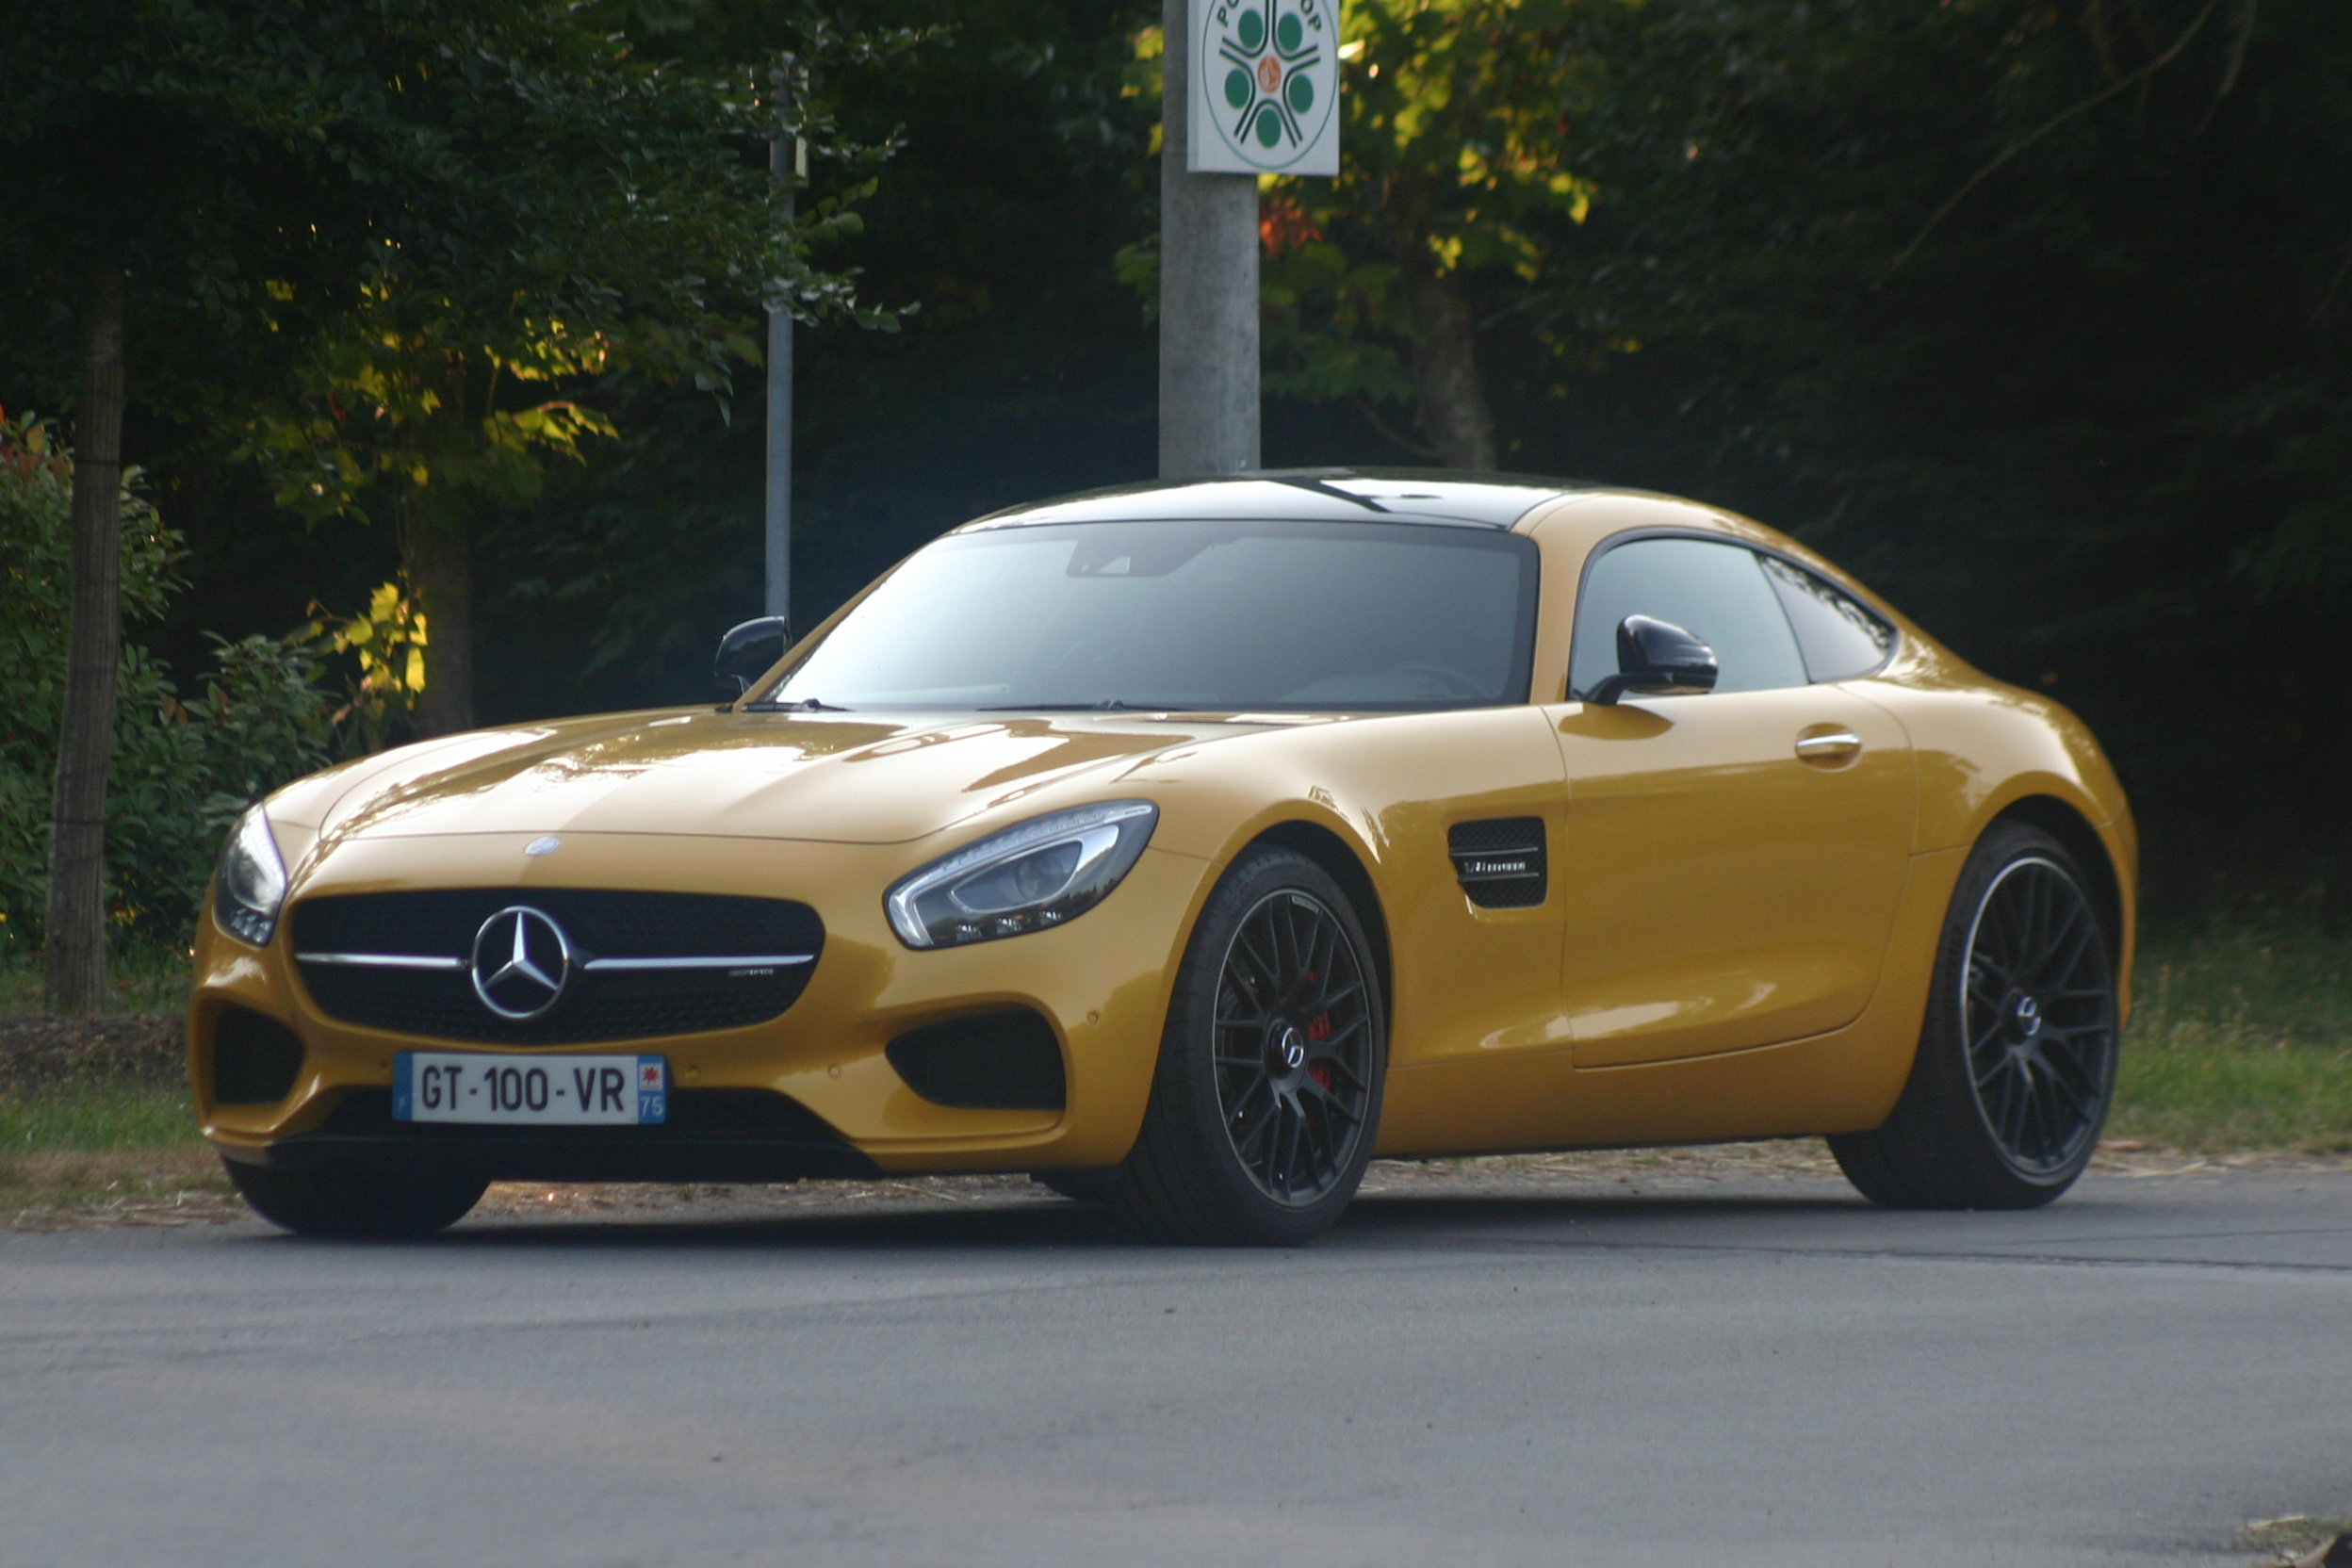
(1102, 981)
(712, 1135)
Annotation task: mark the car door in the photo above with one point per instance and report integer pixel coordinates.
(1733, 860)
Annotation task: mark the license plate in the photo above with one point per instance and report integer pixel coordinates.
(541, 1092)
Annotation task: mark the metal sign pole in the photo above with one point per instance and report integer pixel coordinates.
(1251, 89)
(1208, 288)
(779, 495)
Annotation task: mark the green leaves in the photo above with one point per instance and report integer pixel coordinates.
(182, 768)
(385, 644)
(1460, 140)
(1332, 326)
(301, 181)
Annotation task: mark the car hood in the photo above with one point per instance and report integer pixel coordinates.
(826, 777)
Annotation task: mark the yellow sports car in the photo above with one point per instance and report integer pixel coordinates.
(1187, 845)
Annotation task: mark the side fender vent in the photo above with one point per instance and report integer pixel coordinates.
(1501, 861)
(255, 1059)
(1001, 1061)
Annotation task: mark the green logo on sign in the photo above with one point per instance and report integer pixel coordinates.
(1275, 65)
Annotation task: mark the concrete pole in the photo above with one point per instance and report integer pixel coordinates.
(786, 156)
(1208, 290)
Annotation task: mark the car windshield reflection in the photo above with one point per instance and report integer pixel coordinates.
(1201, 616)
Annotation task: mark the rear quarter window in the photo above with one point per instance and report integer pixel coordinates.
(1840, 638)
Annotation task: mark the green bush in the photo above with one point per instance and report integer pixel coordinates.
(182, 769)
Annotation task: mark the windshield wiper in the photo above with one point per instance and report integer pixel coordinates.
(804, 705)
(1324, 487)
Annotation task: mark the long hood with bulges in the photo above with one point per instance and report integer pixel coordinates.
(822, 778)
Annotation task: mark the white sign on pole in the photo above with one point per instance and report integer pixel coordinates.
(1264, 88)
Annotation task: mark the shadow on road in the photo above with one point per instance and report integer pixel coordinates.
(1419, 1220)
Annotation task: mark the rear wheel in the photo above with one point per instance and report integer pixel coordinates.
(1268, 1088)
(2017, 1062)
(333, 1203)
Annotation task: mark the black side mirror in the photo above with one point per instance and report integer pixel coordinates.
(748, 652)
(1657, 659)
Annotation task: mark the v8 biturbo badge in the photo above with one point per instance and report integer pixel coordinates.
(1264, 86)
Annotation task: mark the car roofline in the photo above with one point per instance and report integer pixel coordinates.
(1507, 498)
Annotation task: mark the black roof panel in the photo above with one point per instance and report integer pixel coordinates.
(1305, 495)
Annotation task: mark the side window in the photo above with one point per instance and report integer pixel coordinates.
(1840, 638)
(1716, 591)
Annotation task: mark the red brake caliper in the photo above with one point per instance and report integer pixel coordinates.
(1319, 1030)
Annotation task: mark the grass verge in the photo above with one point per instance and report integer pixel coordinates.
(2241, 1040)
(105, 1149)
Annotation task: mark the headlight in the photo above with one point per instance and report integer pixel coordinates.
(250, 886)
(1028, 877)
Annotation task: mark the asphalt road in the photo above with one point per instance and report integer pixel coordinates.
(1756, 1372)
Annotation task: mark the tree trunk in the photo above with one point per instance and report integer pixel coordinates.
(436, 551)
(75, 957)
(1448, 392)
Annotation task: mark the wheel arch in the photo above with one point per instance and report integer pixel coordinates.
(1330, 851)
(2074, 831)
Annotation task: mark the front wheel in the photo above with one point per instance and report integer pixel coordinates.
(333, 1203)
(1268, 1089)
(2017, 1061)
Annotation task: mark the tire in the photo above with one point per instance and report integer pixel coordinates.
(333, 1203)
(2017, 1060)
(1267, 1092)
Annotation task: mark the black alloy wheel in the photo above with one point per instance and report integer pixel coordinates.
(1293, 1047)
(2017, 1061)
(1267, 1092)
(2038, 1013)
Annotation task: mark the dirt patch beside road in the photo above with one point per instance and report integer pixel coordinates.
(40, 1053)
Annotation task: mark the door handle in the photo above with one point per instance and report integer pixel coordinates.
(1837, 746)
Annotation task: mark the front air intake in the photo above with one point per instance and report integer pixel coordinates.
(999, 1061)
(1500, 862)
(255, 1059)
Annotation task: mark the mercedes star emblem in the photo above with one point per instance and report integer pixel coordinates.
(522, 962)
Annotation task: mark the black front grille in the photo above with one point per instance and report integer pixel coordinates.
(597, 1004)
(1500, 862)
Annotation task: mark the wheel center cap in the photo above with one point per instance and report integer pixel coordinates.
(2027, 1012)
(1293, 1046)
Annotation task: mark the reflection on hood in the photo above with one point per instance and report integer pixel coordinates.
(832, 777)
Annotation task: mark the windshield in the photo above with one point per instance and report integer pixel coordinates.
(1222, 616)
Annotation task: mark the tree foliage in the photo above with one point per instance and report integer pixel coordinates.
(402, 213)
(502, 164)
(2093, 429)
(1458, 185)
(2035, 313)
(183, 766)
